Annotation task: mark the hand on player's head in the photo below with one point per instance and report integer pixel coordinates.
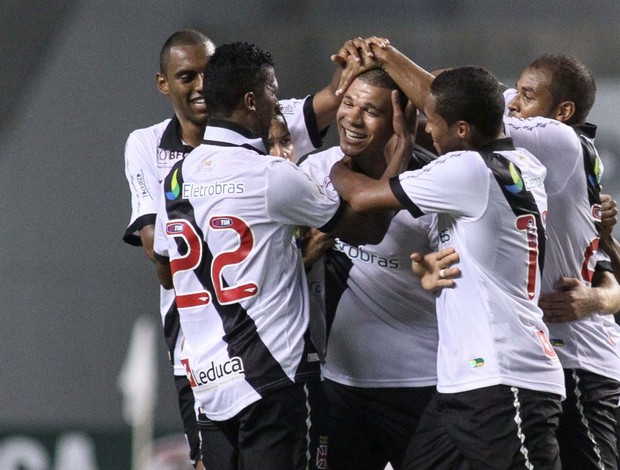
(355, 57)
(400, 145)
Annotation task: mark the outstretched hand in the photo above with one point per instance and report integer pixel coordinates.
(435, 269)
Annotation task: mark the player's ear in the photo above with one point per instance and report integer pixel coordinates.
(162, 84)
(249, 100)
(463, 129)
(564, 111)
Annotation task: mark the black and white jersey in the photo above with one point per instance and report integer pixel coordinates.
(226, 222)
(572, 246)
(384, 333)
(150, 153)
(491, 207)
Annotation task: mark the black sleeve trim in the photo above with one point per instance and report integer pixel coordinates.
(329, 226)
(402, 197)
(316, 135)
(604, 266)
(130, 237)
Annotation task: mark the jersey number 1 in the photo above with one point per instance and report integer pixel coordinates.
(527, 223)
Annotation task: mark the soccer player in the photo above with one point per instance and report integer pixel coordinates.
(581, 326)
(149, 155)
(224, 239)
(151, 152)
(376, 393)
(499, 380)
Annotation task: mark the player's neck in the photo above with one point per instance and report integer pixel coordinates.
(192, 134)
(372, 166)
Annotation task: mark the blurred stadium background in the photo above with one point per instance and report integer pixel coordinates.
(78, 76)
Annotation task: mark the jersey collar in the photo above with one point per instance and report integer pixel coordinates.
(226, 133)
(171, 138)
(588, 129)
(498, 145)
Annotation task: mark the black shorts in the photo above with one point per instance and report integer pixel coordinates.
(281, 431)
(587, 431)
(498, 427)
(217, 451)
(188, 414)
(369, 427)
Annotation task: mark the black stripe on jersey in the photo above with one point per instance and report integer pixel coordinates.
(586, 132)
(262, 371)
(172, 327)
(337, 268)
(331, 223)
(402, 197)
(522, 202)
(604, 266)
(316, 134)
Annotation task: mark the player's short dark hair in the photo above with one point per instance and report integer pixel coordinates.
(234, 70)
(184, 37)
(471, 94)
(381, 79)
(570, 80)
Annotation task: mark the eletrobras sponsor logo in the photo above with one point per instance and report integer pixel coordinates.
(202, 190)
(216, 374)
(357, 253)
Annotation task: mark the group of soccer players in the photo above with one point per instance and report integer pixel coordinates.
(334, 354)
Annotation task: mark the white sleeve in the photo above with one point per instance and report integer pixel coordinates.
(456, 184)
(294, 198)
(555, 144)
(318, 166)
(141, 174)
(301, 122)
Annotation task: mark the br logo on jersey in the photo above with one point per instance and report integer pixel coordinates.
(175, 189)
(517, 187)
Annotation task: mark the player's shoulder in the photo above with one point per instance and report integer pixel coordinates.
(149, 133)
(324, 157)
(539, 127)
(290, 106)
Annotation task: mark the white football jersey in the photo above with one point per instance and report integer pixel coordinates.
(150, 153)
(226, 222)
(384, 332)
(491, 208)
(572, 246)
